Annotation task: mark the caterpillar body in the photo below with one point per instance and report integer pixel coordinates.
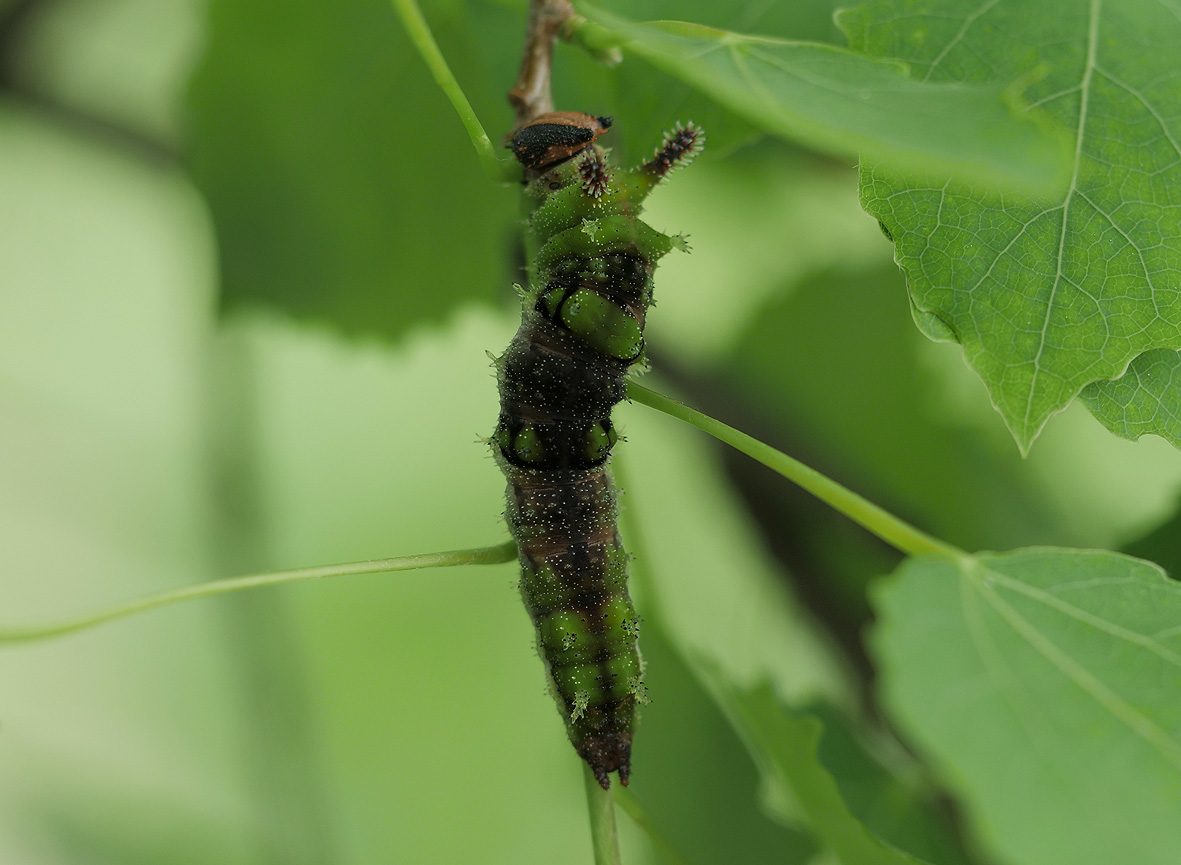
(582, 327)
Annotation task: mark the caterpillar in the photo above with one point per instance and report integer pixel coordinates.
(582, 327)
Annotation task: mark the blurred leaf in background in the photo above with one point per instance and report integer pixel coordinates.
(1161, 545)
(790, 743)
(706, 806)
(107, 287)
(326, 153)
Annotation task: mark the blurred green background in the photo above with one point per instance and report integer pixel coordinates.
(147, 441)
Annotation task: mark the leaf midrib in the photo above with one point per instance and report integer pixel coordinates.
(978, 577)
(1080, 133)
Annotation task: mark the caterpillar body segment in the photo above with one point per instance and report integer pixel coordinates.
(582, 327)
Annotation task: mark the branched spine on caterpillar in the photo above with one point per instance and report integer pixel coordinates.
(582, 326)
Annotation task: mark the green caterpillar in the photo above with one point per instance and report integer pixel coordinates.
(582, 326)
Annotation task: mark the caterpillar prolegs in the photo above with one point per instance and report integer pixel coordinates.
(582, 326)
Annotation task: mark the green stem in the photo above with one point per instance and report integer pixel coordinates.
(420, 34)
(897, 533)
(600, 806)
(505, 552)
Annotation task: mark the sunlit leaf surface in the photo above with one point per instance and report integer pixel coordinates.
(1145, 399)
(1048, 297)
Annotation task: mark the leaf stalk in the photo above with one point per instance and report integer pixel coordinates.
(894, 531)
(505, 552)
(497, 169)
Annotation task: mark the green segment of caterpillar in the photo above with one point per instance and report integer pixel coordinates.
(582, 327)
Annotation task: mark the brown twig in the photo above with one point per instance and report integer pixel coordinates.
(531, 95)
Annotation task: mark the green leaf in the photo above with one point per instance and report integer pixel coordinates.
(1046, 298)
(1146, 399)
(799, 19)
(886, 790)
(341, 184)
(787, 743)
(1043, 683)
(847, 104)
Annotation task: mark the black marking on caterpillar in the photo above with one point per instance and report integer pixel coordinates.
(551, 138)
(581, 328)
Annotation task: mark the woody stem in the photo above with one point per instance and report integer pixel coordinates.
(532, 95)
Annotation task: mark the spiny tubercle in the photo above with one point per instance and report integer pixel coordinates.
(678, 148)
(596, 177)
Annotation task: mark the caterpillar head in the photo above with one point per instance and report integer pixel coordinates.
(551, 138)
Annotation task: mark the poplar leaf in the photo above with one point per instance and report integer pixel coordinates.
(787, 745)
(1145, 399)
(1048, 297)
(1043, 684)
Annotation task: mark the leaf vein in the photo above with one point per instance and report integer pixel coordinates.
(1084, 100)
(1115, 705)
(1081, 615)
(959, 36)
(1139, 97)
